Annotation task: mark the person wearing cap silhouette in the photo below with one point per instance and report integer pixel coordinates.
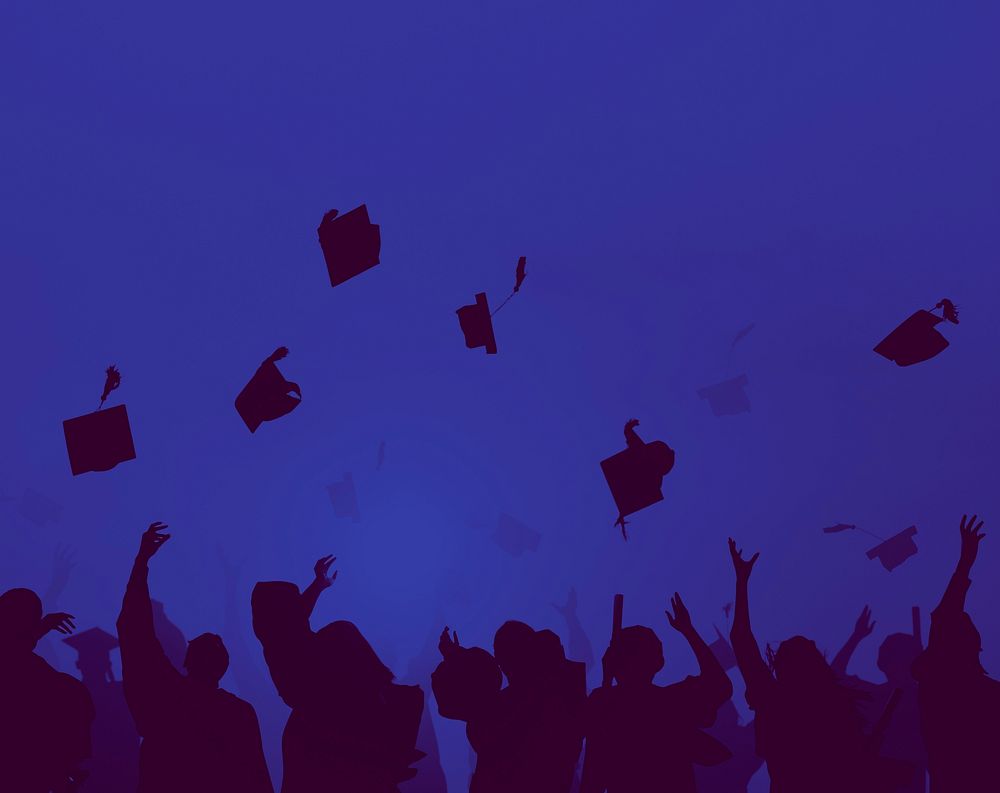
(196, 736)
(114, 767)
(643, 738)
(808, 728)
(902, 740)
(352, 728)
(959, 702)
(45, 715)
(527, 736)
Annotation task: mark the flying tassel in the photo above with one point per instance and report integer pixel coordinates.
(111, 382)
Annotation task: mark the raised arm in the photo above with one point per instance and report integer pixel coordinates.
(862, 629)
(953, 601)
(579, 645)
(714, 683)
(752, 667)
(322, 580)
(147, 673)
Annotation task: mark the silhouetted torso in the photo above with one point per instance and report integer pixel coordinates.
(732, 775)
(45, 720)
(196, 737)
(342, 734)
(115, 764)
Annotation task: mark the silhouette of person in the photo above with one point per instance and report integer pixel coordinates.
(644, 737)
(46, 715)
(808, 727)
(430, 776)
(114, 767)
(351, 728)
(959, 702)
(527, 736)
(195, 736)
(732, 775)
(902, 739)
(63, 562)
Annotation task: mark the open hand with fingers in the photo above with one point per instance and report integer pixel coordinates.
(742, 566)
(971, 537)
(864, 625)
(58, 621)
(151, 540)
(680, 620)
(322, 570)
(448, 644)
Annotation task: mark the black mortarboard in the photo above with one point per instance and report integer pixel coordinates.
(723, 651)
(344, 498)
(635, 475)
(98, 441)
(350, 242)
(38, 509)
(896, 550)
(477, 325)
(93, 644)
(917, 339)
(514, 537)
(838, 528)
(728, 397)
(268, 395)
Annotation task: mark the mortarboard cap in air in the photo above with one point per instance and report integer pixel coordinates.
(100, 440)
(344, 498)
(728, 397)
(723, 650)
(896, 550)
(514, 537)
(268, 395)
(350, 242)
(917, 338)
(38, 509)
(477, 325)
(635, 475)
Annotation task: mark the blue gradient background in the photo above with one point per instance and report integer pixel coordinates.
(672, 171)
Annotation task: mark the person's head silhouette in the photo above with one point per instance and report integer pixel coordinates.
(353, 662)
(515, 648)
(20, 619)
(638, 656)
(896, 657)
(207, 659)
(798, 663)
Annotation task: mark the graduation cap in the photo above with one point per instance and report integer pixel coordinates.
(350, 243)
(100, 440)
(728, 397)
(514, 537)
(896, 550)
(38, 509)
(93, 645)
(476, 320)
(268, 395)
(344, 498)
(916, 339)
(723, 650)
(635, 475)
(892, 552)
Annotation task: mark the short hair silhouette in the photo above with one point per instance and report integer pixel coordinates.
(514, 648)
(353, 658)
(20, 617)
(638, 655)
(799, 661)
(207, 658)
(897, 654)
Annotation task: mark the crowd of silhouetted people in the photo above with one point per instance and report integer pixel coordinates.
(530, 721)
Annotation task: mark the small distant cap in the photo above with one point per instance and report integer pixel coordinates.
(351, 243)
(38, 509)
(268, 395)
(344, 498)
(514, 537)
(728, 397)
(896, 550)
(915, 340)
(93, 643)
(477, 325)
(99, 441)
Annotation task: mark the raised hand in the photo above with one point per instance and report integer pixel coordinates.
(971, 537)
(322, 571)
(57, 621)
(865, 624)
(448, 645)
(151, 540)
(743, 567)
(680, 620)
(278, 354)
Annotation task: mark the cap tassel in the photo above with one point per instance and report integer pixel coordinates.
(111, 382)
